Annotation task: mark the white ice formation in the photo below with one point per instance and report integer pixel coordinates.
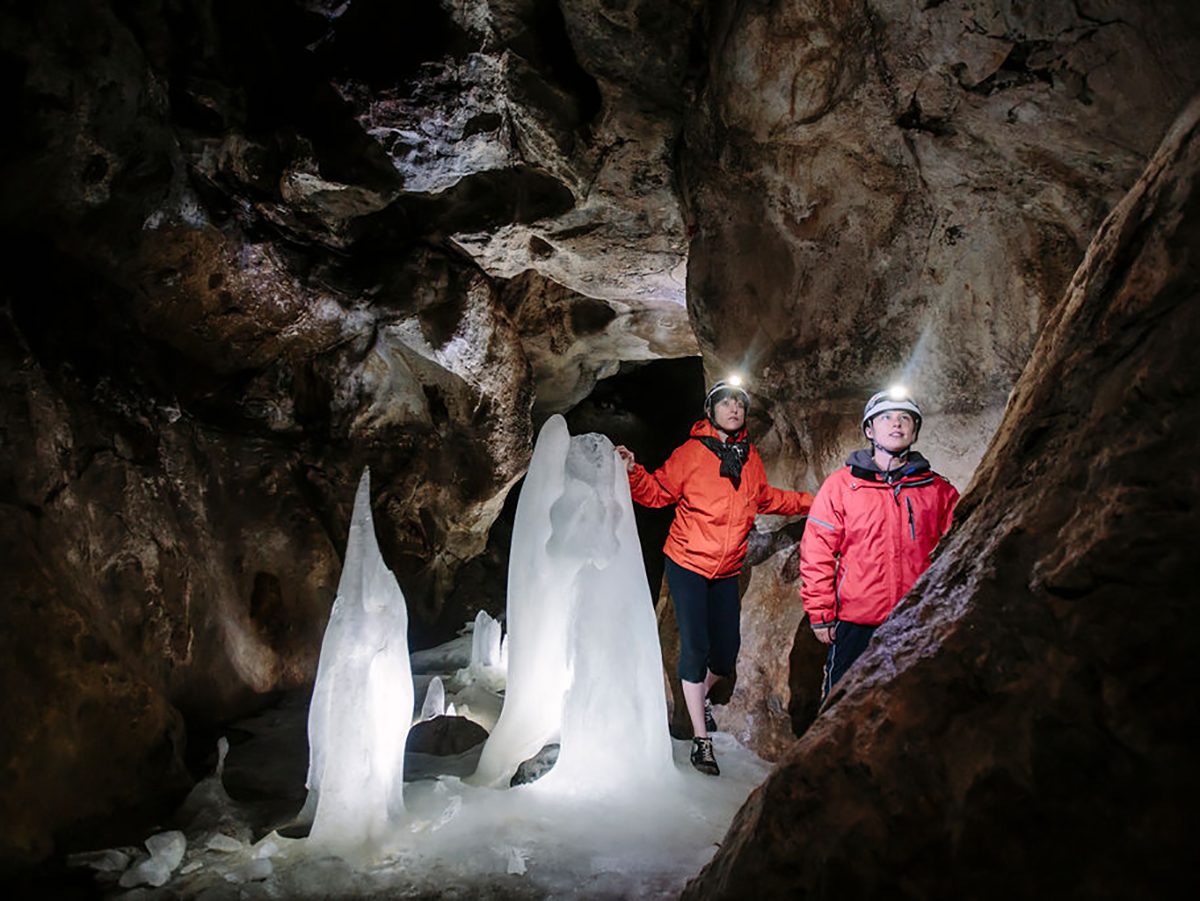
(219, 841)
(584, 662)
(111, 860)
(614, 818)
(208, 810)
(485, 641)
(362, 701)
(435, 699)
(488, 667)
(166, 853)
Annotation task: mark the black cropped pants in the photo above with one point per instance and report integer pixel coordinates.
(709, 613)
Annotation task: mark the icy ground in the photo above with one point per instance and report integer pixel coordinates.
(463, 842)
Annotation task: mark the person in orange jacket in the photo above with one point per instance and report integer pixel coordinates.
(871, 531)
(718, 484)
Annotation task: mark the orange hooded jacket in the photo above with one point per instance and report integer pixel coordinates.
(712, 517)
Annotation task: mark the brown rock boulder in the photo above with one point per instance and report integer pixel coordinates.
(445, 735)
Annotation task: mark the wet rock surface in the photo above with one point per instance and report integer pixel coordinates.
(445, 735)
(536, 766)
(1019, 728)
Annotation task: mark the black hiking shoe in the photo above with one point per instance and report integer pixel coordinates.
(709, 723)
(703, 758)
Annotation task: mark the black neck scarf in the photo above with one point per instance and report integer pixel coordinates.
(732, 456)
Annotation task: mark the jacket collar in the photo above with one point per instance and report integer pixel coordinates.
(702, 428)
(862, 465)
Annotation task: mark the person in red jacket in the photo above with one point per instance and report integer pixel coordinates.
(871, 531)
(718, 484)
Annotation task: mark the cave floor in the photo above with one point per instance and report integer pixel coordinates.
(462, 841)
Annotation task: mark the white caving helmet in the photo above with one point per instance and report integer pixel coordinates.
(727, 387)
(894, 398)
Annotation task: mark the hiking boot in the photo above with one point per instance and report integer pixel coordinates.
(703, 758)
(710, 724)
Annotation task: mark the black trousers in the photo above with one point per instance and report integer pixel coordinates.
(849, 641)
(709, 614)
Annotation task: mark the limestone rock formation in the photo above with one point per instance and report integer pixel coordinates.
(899, 192)
(444, 735)
(1024, 726)
(896, 191)
(541, 145)
(263, 245)
(625, 86)
(257, 246)
(573, 341)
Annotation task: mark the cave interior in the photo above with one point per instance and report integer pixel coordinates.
(255, 248)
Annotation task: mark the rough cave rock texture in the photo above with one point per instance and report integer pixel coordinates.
(899, 191)
(257, 247)
(1025, 726)
(889, 191)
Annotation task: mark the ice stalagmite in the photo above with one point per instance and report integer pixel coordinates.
(538, 605)
(583, 656)
(435, 699)
(485, 641)
(362, 702)
(614, 719)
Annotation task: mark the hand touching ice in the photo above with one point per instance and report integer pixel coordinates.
(626, 456)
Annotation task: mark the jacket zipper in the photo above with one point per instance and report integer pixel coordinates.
(912, 522)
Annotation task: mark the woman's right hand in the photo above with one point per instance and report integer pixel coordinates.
(825, 633)
(626, 456)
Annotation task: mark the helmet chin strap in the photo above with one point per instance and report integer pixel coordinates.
(900, 455)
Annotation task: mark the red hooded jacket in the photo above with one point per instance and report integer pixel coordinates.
(867, 540)
(712, 517)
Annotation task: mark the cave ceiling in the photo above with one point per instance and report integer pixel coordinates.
(398, 227)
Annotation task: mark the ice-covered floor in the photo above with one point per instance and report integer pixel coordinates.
(460, 841)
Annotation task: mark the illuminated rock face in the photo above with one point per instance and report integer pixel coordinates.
(583, 656)
(1025, 725)
(898, 191)
(362, 702)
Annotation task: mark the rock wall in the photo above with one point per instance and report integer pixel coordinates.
(881, 192)
(1024, 726)
(893, 191)
(259, 247)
